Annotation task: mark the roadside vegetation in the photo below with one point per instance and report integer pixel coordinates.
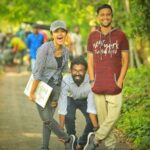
(135, 118)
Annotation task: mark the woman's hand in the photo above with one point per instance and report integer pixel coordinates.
(32, 97)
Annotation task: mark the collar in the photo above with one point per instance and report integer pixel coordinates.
(98, 29)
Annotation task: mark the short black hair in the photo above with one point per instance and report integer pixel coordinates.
(104, 6)
(79, 60)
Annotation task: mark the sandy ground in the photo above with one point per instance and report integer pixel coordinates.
(20, 125)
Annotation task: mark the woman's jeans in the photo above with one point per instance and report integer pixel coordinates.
(50, 124)
(32, 63)
(70, 118)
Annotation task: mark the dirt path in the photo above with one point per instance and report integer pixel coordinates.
(20, 125)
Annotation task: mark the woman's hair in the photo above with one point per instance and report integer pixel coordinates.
(79, 60)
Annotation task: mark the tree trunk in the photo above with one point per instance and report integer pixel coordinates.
(131, 53)
(134, 59)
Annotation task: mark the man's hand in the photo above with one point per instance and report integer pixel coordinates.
(92, 83)
(119, 84)
(61, 121)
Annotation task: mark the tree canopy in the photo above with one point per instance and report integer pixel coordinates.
(134, 18)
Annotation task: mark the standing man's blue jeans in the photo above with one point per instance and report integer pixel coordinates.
(70, 118)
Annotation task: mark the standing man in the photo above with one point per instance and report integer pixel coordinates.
(107, 65)
(34, 41)
(76, 94)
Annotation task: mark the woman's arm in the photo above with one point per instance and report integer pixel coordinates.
(32, 96)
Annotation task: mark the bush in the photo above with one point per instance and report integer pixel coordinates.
(135, 118)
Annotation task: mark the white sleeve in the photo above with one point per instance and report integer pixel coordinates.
(91, 108)
(62, 102)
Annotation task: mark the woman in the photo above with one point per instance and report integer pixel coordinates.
(51, 61)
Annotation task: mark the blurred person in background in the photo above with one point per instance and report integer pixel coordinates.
(69, 44)
(18, 48)
(21, 33)
(77, 42)
(2, 40)
(33, 41)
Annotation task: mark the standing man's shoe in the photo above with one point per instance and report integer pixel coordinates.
(69, 145)
(90, 142)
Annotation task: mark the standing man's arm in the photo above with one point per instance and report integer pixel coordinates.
(90, 66)
(125, 62)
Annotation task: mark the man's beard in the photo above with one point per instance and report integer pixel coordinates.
(106, 25)
(79, 80)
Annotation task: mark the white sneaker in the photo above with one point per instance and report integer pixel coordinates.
(90, 145)
(70, 144)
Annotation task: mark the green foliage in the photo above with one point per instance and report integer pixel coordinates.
(135, 121)
(140, 17)
(134, 21)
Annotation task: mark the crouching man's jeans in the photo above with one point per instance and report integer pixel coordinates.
(108, 109)
(50, 124)
(70, 118)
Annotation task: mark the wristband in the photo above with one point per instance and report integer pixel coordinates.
(91, 81)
